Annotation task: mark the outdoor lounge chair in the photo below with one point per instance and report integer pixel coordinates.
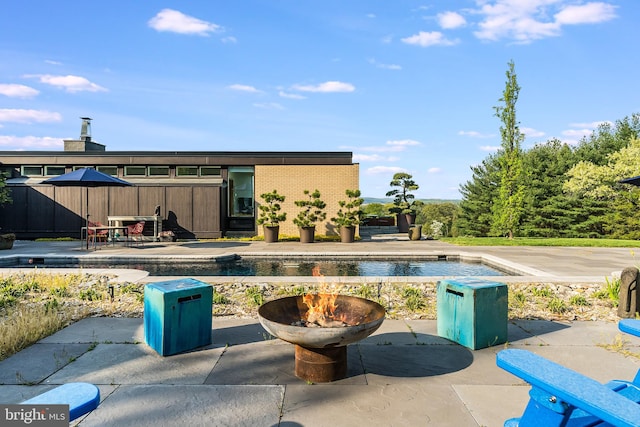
(134, 232)
(562, 397)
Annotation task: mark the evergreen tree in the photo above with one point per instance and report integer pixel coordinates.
(474, 215)
(545, 204)
(508, 206)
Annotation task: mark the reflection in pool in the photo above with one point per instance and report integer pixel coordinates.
(280, 267)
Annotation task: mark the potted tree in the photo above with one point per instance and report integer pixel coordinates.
(270, 216)
(403, 200)
(349, 215)
(311, 213)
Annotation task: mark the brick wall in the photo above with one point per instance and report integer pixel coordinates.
(290, 180)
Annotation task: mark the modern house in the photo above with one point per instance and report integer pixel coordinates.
(200, 194)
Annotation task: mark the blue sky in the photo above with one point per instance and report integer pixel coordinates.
(405, 85)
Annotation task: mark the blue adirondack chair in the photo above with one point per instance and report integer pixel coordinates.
(562, 397)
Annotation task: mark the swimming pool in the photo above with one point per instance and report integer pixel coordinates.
(304, 267)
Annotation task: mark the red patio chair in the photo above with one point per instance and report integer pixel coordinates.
(134, 232)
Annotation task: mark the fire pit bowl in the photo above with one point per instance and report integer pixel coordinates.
(362, 317)
(321, 352)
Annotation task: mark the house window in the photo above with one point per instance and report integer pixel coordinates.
(186, 171)
(135, 171)
(158, 170)
(109, 170)
(31, 170)
(240, 191)
(209, 170)
(54, 170)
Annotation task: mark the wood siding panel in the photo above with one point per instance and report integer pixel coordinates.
(206, 209)
(179, 211)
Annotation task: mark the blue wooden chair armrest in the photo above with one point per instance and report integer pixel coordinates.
(81, 398)
(630, 326)
(557, 391)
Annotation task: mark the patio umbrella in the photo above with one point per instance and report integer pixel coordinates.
(86, 177)
(633, 181)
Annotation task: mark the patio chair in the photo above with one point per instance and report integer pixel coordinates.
(134, 232)
(97, 235)
(562, 397)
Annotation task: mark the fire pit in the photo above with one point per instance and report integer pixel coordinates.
(321, 327)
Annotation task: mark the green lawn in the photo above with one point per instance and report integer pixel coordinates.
(536, 241)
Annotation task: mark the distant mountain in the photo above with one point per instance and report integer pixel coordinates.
(384, 200)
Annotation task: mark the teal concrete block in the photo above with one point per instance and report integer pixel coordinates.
(472, 312)
(177, 315)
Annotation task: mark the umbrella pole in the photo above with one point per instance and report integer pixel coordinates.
(87, 212)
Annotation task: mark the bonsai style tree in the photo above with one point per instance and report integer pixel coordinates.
(312, 210)
(350, 212)
(270, 215)
(403, 199)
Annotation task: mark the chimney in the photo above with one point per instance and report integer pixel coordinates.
(84, 143)
(85, 129)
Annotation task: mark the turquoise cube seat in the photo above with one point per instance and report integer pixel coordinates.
(472, 312)
(177, 315)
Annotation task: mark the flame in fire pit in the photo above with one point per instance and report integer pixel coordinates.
(322, 307)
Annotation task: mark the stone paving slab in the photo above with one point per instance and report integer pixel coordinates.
(492, 405)
(100, 330)
(193, 405)
(37, 362)
(400, 405)
(138, 364)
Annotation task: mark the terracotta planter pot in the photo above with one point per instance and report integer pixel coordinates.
(347, 234)
(307, 234)
(271, 233)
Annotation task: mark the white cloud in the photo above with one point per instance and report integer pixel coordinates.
(17, 91)
(244, 88)
(577, 133)
(287, 95)
(528, 20)
(177, 22)
(326, 87)
(589, 13)
(29, 142)
(532, 133)
(451, 20)
(229, 39)
(371, 15)
(69, 83)
(52, 62)
(28, 116)
(394, 67)
(580, 130)
(390, 146)
(475, 134)
(403, 142)
(591, 125)
(373, 158)
(431, 38)
(434, 170)
(375, 170)
(490, 147)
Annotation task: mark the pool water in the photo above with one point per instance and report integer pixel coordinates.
(261, 267)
